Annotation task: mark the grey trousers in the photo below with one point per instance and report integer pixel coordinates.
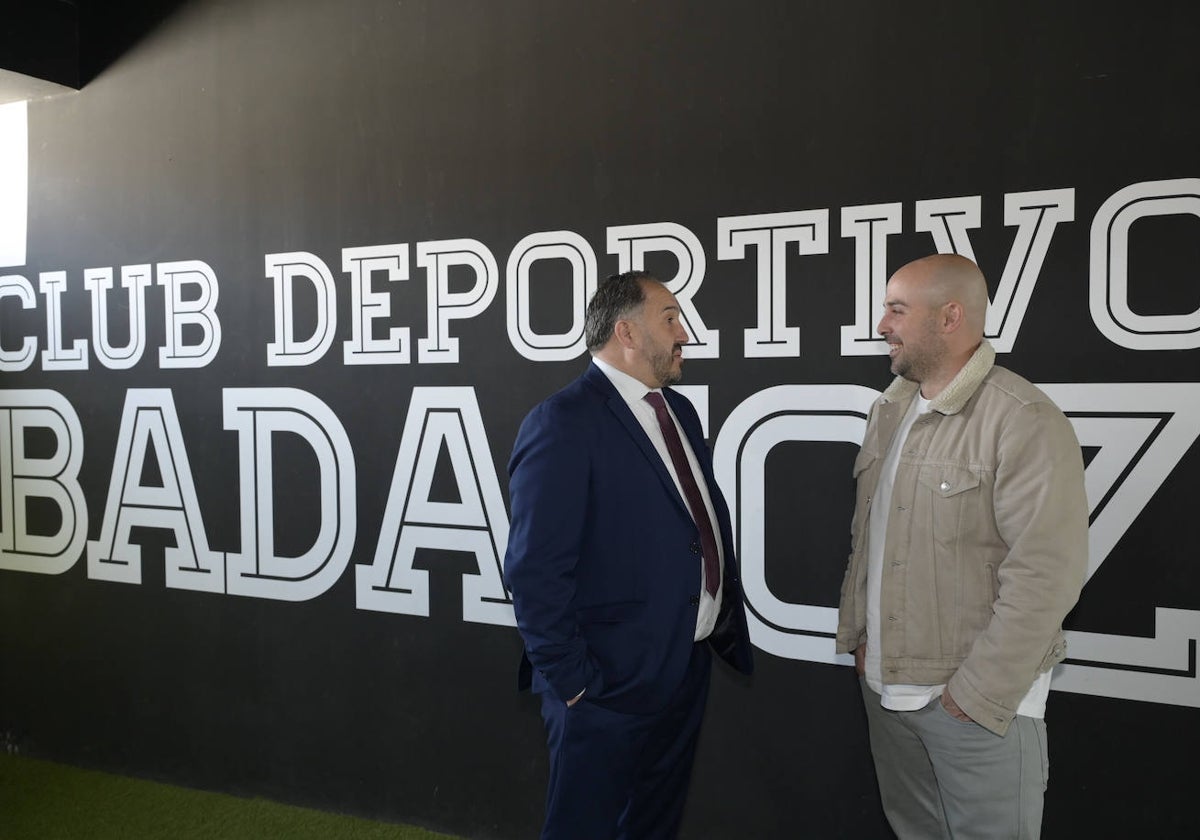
(940, 777)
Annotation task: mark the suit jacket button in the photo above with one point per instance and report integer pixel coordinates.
(694, 548)
(694, 600)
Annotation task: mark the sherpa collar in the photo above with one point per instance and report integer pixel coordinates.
(955, 395)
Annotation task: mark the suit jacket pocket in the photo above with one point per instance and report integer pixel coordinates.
(616, 638)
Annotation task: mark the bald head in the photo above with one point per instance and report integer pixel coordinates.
(950, 278)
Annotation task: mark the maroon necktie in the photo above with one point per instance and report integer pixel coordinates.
(708, 542)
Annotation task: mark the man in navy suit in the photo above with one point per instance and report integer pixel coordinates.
(621, 566)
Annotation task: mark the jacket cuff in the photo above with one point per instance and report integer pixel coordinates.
(591, 684)
(991, 716)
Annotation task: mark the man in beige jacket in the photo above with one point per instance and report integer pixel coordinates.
(969, 548)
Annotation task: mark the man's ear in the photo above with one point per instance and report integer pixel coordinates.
(953, 316)
(623, 330)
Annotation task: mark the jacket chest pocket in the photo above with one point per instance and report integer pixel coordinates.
(953, 491)
(947, 481)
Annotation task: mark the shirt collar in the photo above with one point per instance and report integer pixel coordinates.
(631, 389)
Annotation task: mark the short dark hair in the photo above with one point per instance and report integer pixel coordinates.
(616, 298)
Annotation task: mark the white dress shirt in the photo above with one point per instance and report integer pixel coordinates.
(633, 391)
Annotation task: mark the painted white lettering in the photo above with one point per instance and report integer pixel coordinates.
(869, 225)
(631, 243)
(14, 285)
(149, 419)
(783, 413)
(770, 234)
(366, 305)
(1141, 431)
(444, 305)
(134, 279)
(286, 349)
(52, 284)
(1108, 290)
(477, 523)
(258, 414)
(200, 312)
(554, 245)
(53, 477)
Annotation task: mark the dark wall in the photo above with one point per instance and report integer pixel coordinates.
(314, 616)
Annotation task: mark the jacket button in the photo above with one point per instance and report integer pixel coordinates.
(695, 549)
(944, 486)
(694, 600)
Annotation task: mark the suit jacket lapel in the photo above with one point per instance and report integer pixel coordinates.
(617, 405)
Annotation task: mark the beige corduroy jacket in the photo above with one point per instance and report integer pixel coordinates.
(986, 546)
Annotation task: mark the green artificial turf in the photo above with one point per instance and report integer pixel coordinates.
(40, 800)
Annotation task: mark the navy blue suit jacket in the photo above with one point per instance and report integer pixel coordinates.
(603, 555)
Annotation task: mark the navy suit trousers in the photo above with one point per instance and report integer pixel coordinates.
(621, 776)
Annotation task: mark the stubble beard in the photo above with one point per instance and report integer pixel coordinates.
(921, 362)
(664, 368)
(903, 367)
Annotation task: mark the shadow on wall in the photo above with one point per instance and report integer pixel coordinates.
(110, 28)
(71, 42)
